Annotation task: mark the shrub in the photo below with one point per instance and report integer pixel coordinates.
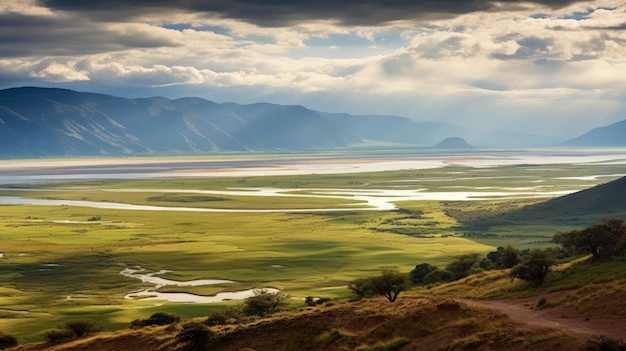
(57, 336)
(358, 288)
(603, 343)
(542, 302)
(82, 328)
(509, 258)
(463, 266)
(438, 276)
(226, 316)
(72, 330)
(322, 300)
(263, 303)
(420, 271)
(535, 267)
(195, 336)
(7, 341)
(159, 318)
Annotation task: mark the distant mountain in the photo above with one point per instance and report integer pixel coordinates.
(56, 122)
(611, 135)
(47, 122)
(509, 138)
(453, 143)
(393, 129)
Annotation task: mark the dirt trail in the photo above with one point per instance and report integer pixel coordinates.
(520, 311)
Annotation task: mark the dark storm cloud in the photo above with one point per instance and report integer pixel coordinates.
(23, 35)
(275, 13)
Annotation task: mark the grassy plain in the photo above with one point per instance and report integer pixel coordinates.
(63, 263)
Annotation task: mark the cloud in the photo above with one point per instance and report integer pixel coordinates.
(462, 60)
(281, 13)
(63, 35)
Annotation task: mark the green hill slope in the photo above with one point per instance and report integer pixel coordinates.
(578, 209)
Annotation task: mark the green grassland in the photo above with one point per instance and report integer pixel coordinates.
(63, 263)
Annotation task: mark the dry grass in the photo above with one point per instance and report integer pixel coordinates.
(368, 325)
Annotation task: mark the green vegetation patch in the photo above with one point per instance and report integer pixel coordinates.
(185, 198)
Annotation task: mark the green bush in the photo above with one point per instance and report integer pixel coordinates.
(159, 318)
(263, 303)
(310, 301)
(322, 300)
(57, 336)
(420, 271)
(438, 276)
(72, 330)
(358, 288)
(82, 328)
(463, 266)
(227, 316)
(534, 267)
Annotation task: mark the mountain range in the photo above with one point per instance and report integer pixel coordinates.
(50, 122)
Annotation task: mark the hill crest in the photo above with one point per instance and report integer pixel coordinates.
(577, 209)
(453, 143)
(607, 136)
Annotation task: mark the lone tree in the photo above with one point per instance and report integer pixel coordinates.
(389, 284)
(263, 303)
(534, 267)
(600, 240)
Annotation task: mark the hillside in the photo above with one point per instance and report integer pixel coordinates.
(581, 300)
(611, 135)
(578, 209)
(408, 324)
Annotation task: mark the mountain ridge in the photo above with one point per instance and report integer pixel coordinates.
(54, 122)
(607, 136)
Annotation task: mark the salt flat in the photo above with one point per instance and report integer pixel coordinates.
(42, 171)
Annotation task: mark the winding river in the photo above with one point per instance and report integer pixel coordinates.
(150, 294)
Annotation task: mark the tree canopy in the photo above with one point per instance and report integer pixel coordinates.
(600, 240)
(389, 284)
(534, 267)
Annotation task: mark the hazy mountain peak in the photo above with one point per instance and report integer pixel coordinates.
(453, 143)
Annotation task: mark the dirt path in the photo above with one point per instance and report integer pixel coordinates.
(520, 311)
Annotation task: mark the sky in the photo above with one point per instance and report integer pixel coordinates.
(548, 67)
